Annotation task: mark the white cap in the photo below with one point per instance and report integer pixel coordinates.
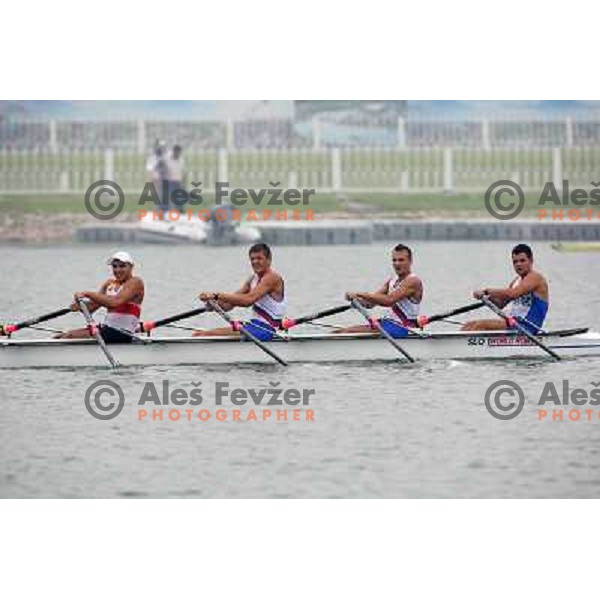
(124, 257)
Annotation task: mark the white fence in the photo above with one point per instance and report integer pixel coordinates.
(336, 170)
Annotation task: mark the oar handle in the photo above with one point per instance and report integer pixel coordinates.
(423, 320)
(239, 327)
(363, 311)
(93, 328)
(85, 311)
(215, 306)
(289, 323)
(150, 325)
(510, 321)
(375, 323)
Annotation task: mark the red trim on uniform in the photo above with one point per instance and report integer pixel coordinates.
(263, 314)
(404, 320)
(129, 308)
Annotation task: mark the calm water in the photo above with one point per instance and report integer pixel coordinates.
(380, 430)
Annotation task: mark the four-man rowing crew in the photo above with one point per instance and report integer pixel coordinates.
(520, 310)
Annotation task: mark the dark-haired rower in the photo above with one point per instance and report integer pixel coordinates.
(402, 294)
(526, 298)
(264, 291)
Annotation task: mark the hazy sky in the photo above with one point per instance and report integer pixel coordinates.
(246, 109)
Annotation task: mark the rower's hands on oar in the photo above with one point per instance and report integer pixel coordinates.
(206, 296)
(81, 296)
(77, 296)
(494, 297)
(358, 296)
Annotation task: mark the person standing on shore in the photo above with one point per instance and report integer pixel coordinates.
(157, 171)
(174, 169)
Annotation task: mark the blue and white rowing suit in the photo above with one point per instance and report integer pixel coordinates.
(529, 309)
(406, 310)
(267, 309)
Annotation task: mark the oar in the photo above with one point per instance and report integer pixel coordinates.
(289, 323)
(514, 323)
(363, 311)
(423, 320)
(232, 322)
(93, 328)
(148, 326)
(11, 328)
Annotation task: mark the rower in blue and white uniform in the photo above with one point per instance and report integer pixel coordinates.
(264, 292)
(526, 299)
(406, 310)
(530, 310)
(271, 307)
(402, 295)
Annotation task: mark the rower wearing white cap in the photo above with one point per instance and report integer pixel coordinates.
(122, 296)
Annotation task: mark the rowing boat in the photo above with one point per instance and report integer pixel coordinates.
(299, 348)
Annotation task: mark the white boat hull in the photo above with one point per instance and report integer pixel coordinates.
(196, 232)
(16, 353)
(167, 232)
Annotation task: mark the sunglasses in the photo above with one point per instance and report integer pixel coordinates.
(119, 265)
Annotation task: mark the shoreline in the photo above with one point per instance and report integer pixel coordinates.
(40, 229)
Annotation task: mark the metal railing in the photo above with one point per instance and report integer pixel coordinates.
(333, 170)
